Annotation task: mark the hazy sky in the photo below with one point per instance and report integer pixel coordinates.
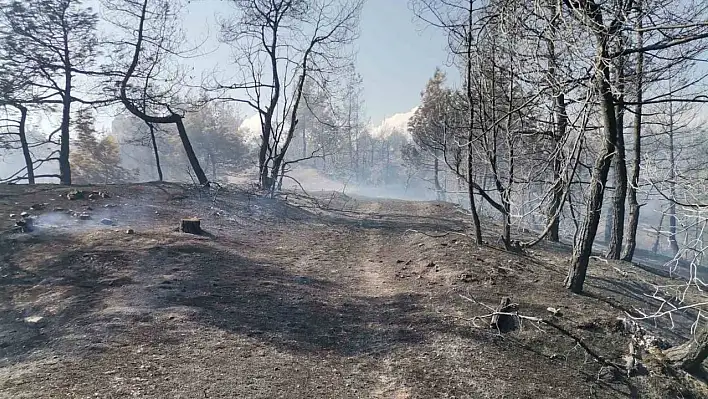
(396, 57)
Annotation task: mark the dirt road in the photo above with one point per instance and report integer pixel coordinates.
(361, 299)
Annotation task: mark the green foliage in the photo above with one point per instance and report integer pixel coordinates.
(96, 159)
(216, 138)
(39, 35)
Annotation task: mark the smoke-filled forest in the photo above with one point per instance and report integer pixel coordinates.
(562, 141)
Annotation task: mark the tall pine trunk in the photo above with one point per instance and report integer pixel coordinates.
(620, 175)
(64, 164)
(560, 119)
(634, 209)
(470, 134)
(582, 249)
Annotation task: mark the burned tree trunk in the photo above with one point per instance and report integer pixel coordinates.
(25, 146)
(470, 148)
(560, 127)
(172, 118)
(436, 177)
(155, 152)
(634, 210)
(582, 250)
(673, 242)
(655, 247)
(64, 164)
(555, 205)
(690, 356)
(620, 175)
(499, 320)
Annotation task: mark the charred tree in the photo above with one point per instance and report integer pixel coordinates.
(22, 138)
(172, 118)
(634, 208)
(620, 174)
(291, 41)
(582, 249)
(53, 41)
(29, 164)
(560, 119)
(673, 242)
(153, 141)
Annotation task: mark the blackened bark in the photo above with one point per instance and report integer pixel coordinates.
(23, 142)
(262, 155)
(608, 225)
(582, 249)
(620, 175)
(690, 355)
(634, 209)
(191, 156)
(64, 164)
(556, 203)
(172, 118)
(561, 123)
(470, 134)
(655, 247)
(154, 150)
(673, 243)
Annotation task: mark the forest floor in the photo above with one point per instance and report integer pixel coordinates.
(332, 297)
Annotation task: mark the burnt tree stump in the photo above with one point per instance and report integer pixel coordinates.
(500, 321)
(191, 226)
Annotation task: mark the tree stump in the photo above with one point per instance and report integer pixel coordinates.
(191, 226)
(499, 321)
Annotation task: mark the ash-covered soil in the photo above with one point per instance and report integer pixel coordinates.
(331, 297)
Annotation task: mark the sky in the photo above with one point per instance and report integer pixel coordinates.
(396, 56)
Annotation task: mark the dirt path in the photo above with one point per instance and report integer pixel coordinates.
(280, 301)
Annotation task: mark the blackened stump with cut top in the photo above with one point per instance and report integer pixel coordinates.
(501, 320)
(191, 226)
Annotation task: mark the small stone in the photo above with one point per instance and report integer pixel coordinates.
(75, 195)
(110, 206)
(33, 319)
(12, 216)
(107, 222)
(84, 216)
(554, 311)
(130, 231)
(37, 207)
(24, 214)
(59, 209)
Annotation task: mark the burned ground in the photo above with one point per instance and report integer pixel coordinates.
(338, 297)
